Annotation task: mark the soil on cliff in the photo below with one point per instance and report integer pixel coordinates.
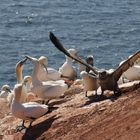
(76, 117)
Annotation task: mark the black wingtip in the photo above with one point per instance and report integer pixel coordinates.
(52, 36)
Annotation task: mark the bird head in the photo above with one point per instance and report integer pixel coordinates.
(5, 88)
(73, 52)
(89, 60)
(102, 74)
(43, 61)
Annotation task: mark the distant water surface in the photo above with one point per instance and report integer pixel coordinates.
(107, 29)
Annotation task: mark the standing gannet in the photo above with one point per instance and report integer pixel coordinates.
(67, 70)
(27, 83)
(48, 89)
(90, 82)
(47, 74)
(26, 111)
(19, 76)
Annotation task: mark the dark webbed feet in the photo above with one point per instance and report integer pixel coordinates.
(20, 127)
(117, 92)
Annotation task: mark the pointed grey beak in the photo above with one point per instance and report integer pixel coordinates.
(23, 61)
(28, 57)
(45, 67)
(20, 63)
(24, 83)
(9, 90)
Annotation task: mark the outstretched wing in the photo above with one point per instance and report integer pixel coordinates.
(59, 46)
(125, 65)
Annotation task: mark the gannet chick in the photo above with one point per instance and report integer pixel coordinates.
(89, 61)
(47, 74)
(45, 90)
(5, 91)
(90, 82)
(67, 70)
(26, 111)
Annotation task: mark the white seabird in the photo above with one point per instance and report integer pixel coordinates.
(67, 70)
(27, 83)
(5, 91)
(89, 61)
(47, 74)
(19, 76)
(132, 74)
(26, 111)
(26, 87)
(90, 82)
(48, 89)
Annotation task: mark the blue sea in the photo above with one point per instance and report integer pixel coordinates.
(107, 29)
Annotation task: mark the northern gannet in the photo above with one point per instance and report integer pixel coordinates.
(26, 111)
(19, 76)
(90, 82)
(48, 89)
(67, 70)
(47, 74)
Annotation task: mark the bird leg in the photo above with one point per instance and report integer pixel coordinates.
(102, 92)
(117, 92)
(123, 80)
(46, 102)
(96, 93)
(43, 101)
(86, 94)
(30, 124)
(20, 127)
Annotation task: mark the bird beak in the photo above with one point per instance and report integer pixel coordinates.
(9, 90)
(24, 83)
(20, 63)
(23, 61)
(45, 67)
(28, 57)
